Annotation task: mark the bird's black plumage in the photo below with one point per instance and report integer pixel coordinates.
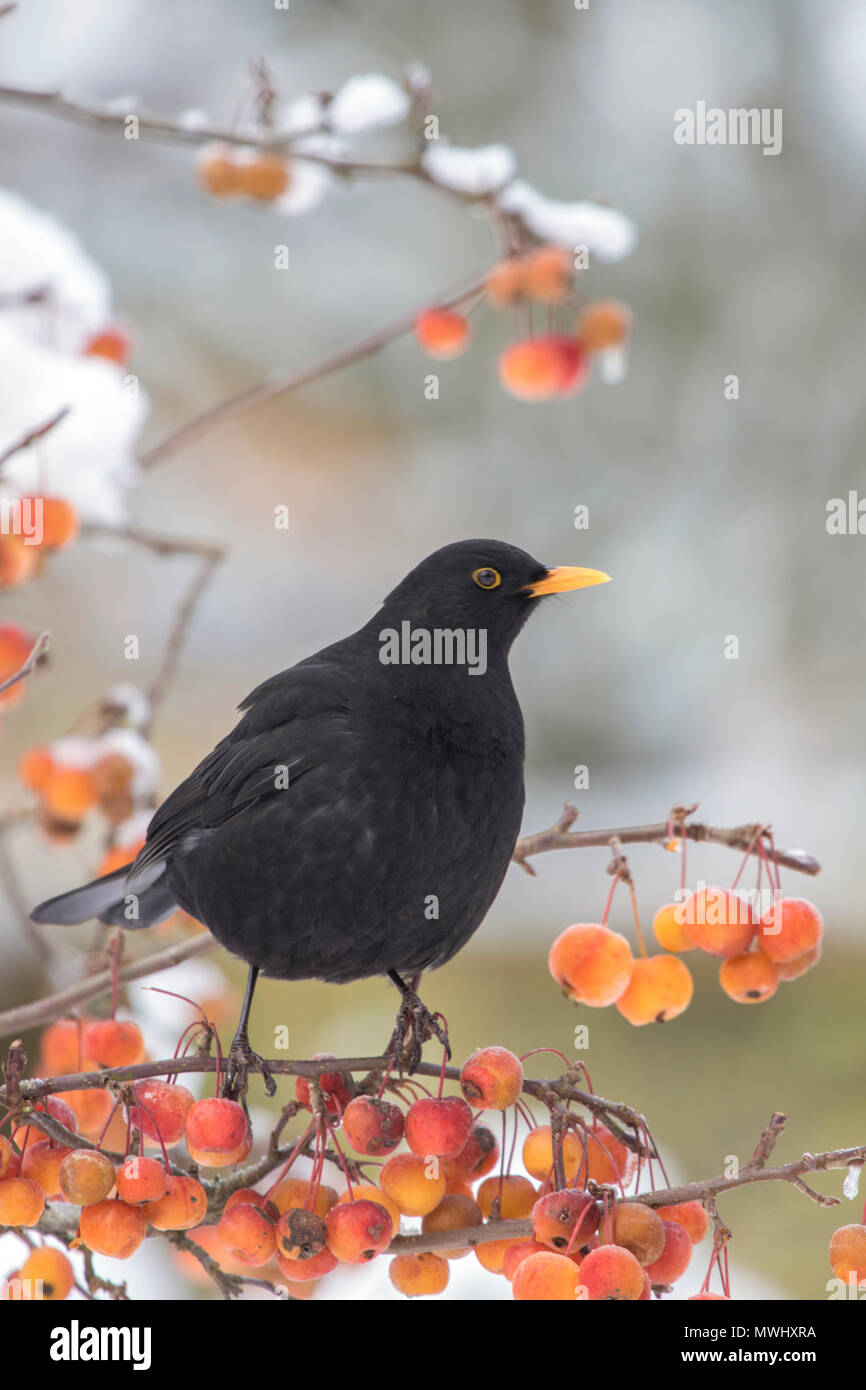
(361, 816)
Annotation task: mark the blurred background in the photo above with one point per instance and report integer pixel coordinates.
(709, 513)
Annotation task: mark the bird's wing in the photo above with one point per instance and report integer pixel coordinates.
(263, 755)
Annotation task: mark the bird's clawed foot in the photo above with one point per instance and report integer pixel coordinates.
(415, 1025)
(239, 1063)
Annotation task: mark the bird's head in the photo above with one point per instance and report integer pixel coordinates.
(480, 584)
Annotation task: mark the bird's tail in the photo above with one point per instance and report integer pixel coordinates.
(109, 899)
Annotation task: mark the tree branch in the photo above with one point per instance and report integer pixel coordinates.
(749, 839)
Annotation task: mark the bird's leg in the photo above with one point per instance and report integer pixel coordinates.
(413, 1018)
(241, 1056)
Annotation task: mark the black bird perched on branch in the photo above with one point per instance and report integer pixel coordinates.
(360, 817)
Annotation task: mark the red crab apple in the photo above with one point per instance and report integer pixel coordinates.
(373, 1126)
(438, 1128)
(161, 1109)
(675, 1257)
(217, 1132)
(564, 1220)
(358, 1231)
(792, 927)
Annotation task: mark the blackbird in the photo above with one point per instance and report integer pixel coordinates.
(361, 816)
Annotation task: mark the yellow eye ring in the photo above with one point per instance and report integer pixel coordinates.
(487, 578)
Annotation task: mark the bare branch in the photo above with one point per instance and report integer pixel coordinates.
(745, 838)
(42, 1011)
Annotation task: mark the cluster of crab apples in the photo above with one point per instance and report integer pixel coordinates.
(594, 965)
(538, 366)
(427, 1170)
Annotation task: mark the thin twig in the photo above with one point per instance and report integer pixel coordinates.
(32, 435)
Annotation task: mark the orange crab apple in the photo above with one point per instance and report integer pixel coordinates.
(545, 1278)
(454, 1213)
(606, 1160)
(538, 1153)
(86, 1177)
(548, 273)
(531, 369)
(442, 333)
(113, 1042)
(418, 1276)
(476, 1159)
(670, 931)
(692, 1216)
(605, 323)
(639, 1229)
(749, 978)
(218, 171)
(372, 1125)
(217, 1132)
(718, 921)
(591, 963)
(792, 927)
(41, 1162)
(22, 1201)
(112, 1228)
(492, 1078)
(415, 1184)
(358, 1231)
(141, 1179)
(91, 1105)
(263, 176)
(49, 1271)
(35, 771)
(18, 561)
(610, 1272)
(660, 989)
(60, 1048)
(183, 1206)
(161, 1109)
(70, 792)
(566, 1218)
(248, 1234)
(512, 1196)
(113, 342)
(506, 283)
(675, 1257)
(439, 1128)
(848, 1253)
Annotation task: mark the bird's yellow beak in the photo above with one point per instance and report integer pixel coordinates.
(564, 577)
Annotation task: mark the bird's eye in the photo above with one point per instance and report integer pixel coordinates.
(487, 578)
